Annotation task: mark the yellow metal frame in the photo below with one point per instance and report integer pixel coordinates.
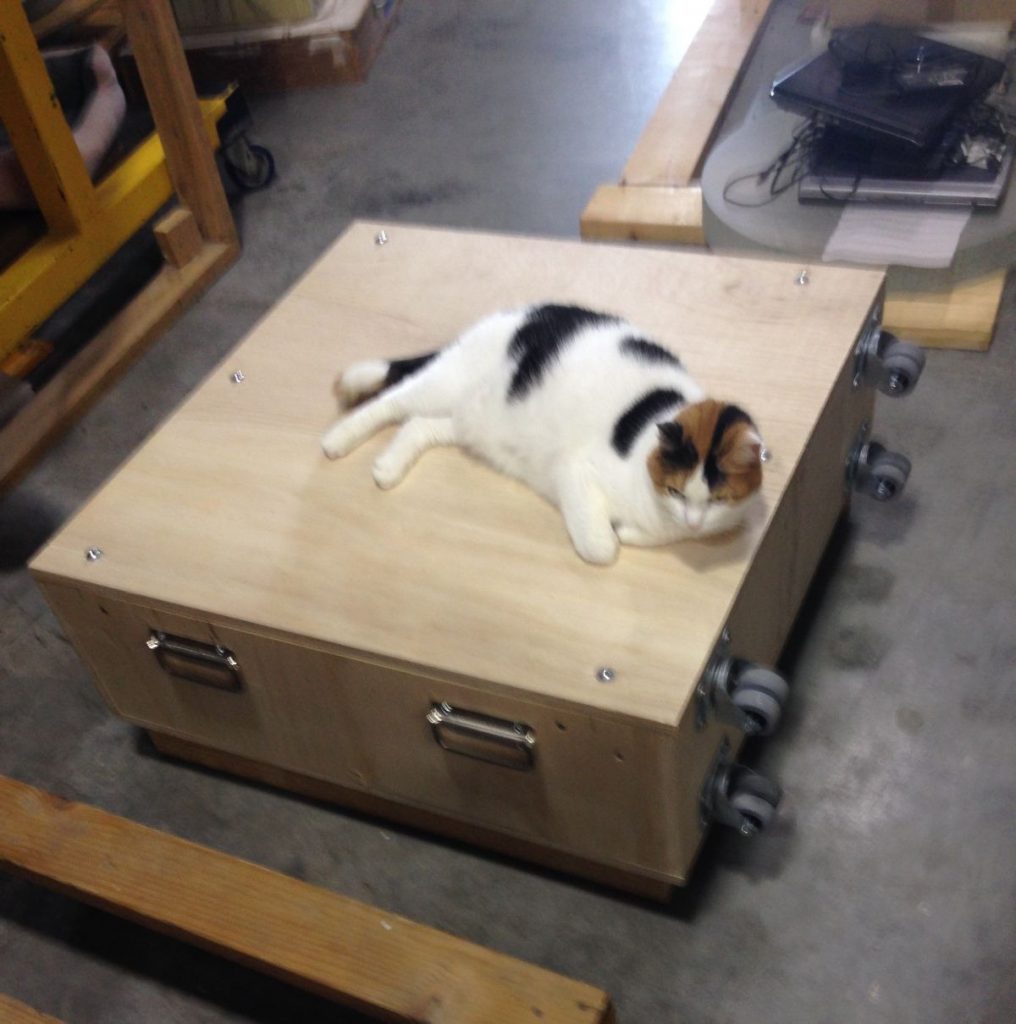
(87, 223)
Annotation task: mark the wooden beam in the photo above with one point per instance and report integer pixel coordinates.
(645, 213)
(961, 317)
(13, 1012)
(178, 236)
(104, 358)
(674, 144)
(378, 963)
(169, 90)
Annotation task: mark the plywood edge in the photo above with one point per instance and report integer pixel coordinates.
(13, 1012)
(673, 145)
(358, 955)
(645, 214)
(962, 317)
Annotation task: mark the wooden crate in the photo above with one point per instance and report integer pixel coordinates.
(340, 44)
(353, 612)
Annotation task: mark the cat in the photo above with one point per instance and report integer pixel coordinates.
(603, 422)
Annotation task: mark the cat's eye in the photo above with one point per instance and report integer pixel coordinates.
(674, 492)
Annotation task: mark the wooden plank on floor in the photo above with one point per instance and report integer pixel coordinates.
(13, 1012)
(361, 956)
(673, 145)
(962, 317)
(104, 358)
(645, 213)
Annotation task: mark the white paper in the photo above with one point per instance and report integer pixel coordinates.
(911, 236)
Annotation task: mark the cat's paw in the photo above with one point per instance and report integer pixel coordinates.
(387, 471)
(338, 441)
(599, 550)
(633, 536)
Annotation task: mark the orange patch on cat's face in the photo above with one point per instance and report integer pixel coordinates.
(737, 454)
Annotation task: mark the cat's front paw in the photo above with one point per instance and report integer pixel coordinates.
(338, 441)
(387, 471)
(599, 550)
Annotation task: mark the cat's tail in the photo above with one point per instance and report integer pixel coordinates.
(364, 380)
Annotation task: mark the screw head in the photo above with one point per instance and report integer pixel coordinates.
(605, 674)
(238, 376)
(765, 455)
(803, 277)
(897, 382)
(381, 238)
(885, 489)
(93, 554)
(748, 828)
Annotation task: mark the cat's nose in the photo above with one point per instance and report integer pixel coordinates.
(694, 517)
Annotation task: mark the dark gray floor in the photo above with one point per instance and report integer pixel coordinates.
(885, 893)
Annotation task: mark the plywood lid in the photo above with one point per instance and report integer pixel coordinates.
(231, 511)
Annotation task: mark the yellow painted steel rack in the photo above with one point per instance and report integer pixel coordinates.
(87, 223)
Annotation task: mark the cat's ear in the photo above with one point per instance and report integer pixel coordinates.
(671, 435)
(744, 449)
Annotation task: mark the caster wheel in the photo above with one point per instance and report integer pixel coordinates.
(756, 812)
(760, 694)
(902, 364)
(889, 473)
(251, 166)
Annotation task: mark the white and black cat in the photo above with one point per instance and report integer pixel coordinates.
(604, 423)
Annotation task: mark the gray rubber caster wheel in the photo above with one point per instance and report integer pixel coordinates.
(760, 694)
(756, 811)
(902, 365)
(889, 472)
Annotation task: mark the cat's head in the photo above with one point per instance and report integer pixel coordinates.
(708, 464)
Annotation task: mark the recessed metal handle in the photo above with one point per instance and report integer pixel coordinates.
(196, 661)
(495, 740)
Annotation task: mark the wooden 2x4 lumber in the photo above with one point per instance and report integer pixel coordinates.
(962, 317)
(13, 1012)
(48, 273)
(674, 144)
(151, 29)
(645, 213)
(381, 964)
(31, 113)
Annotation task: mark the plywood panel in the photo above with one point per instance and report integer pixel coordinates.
(254, 526)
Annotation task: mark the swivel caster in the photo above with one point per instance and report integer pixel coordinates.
(251, 166)
(902, 365)
(877, 472)
(893, 365)
(742, 693)
(738, 797)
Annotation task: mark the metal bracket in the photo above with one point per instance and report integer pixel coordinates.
(857, 456)
(728, 785)
(868, 345)
(713, 682)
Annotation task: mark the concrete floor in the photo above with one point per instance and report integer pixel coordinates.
(886, 891)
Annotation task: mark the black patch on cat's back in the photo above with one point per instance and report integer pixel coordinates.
(646, 351)
(399, 369)
(645, 411)
(537, 343)
(730, 415)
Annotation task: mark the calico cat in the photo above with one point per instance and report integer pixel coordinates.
(603, 422)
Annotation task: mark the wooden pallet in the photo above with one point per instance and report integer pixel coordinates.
(380, 964)
(659, 200)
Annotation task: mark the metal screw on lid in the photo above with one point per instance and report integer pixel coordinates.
(803, 277)
(381, 238)
(606, 674)
(93, 554)
(238, 376)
